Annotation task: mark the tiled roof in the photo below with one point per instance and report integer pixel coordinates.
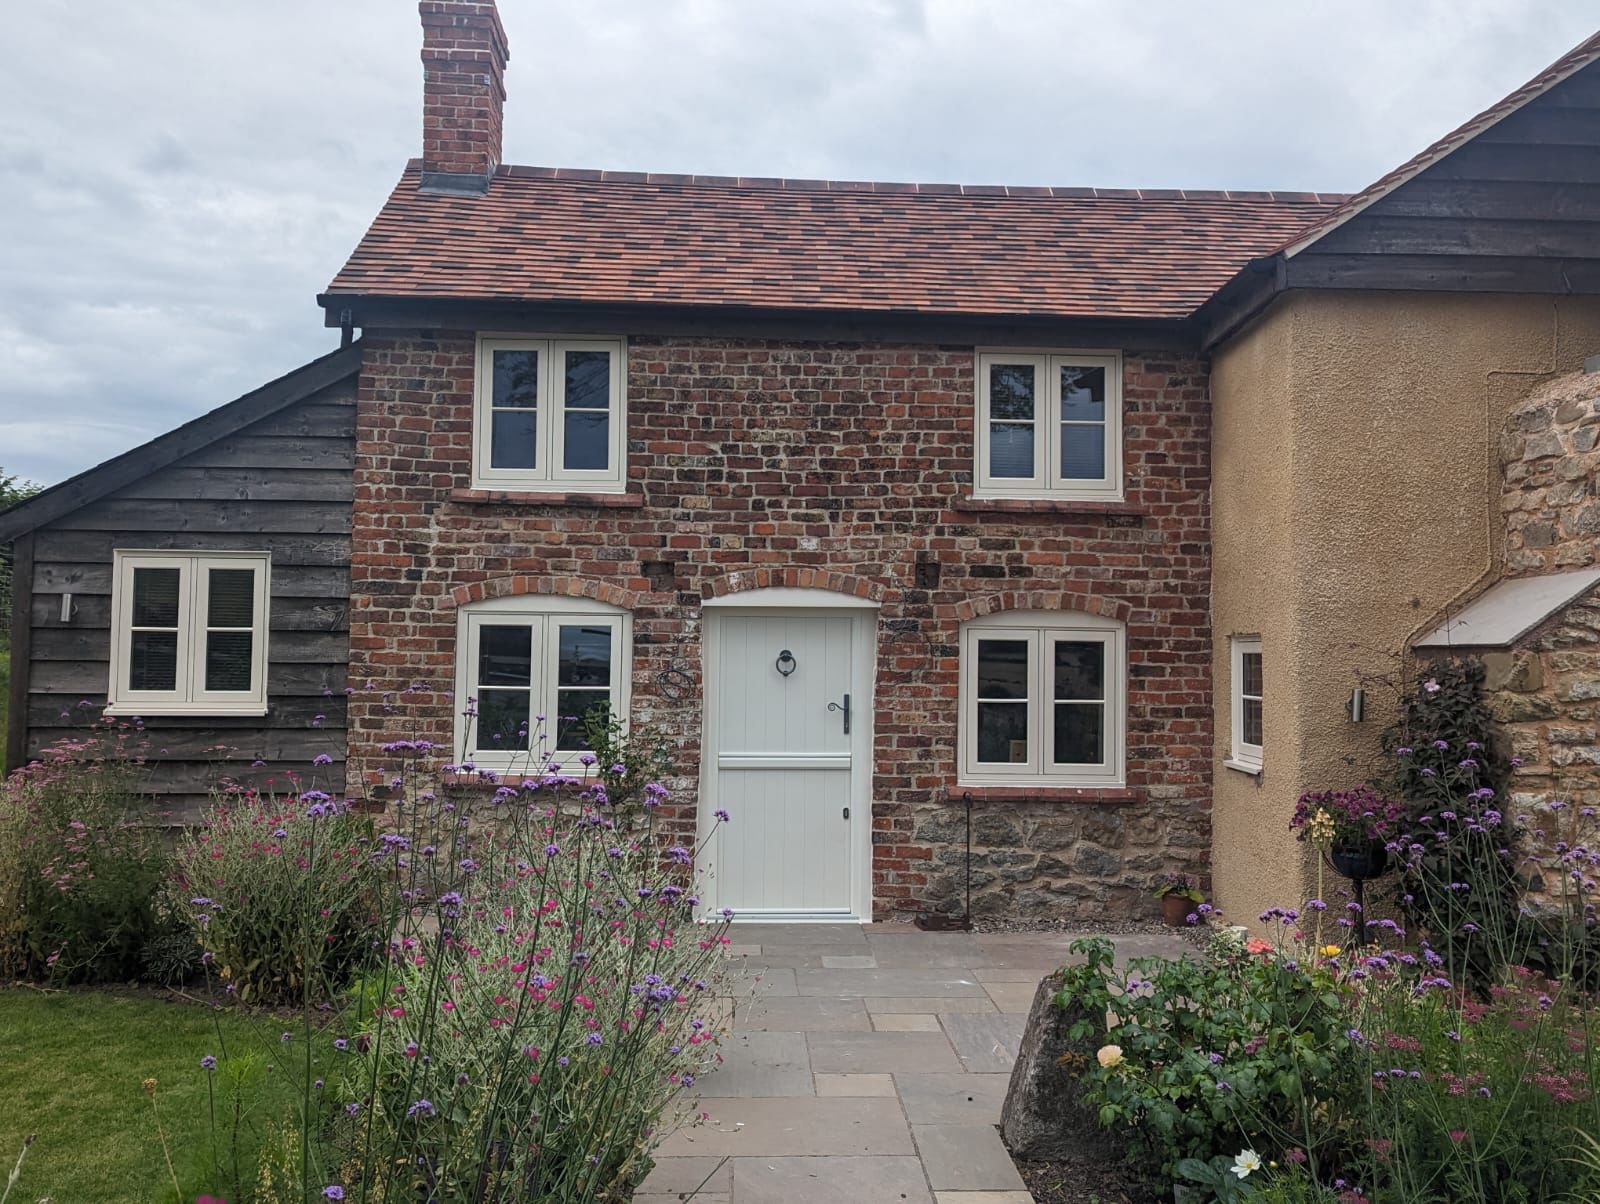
(552, 235)
(1569, 64)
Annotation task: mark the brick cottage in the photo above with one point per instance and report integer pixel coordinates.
(887, 504)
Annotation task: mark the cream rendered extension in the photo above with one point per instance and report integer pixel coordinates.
(788, 742)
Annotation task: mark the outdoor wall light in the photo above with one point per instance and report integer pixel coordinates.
(1356, 705)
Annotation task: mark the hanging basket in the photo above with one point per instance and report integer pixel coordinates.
(1360, 863)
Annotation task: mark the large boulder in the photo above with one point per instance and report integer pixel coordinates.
(1044, 1117)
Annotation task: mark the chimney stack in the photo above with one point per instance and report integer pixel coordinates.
(464, 54)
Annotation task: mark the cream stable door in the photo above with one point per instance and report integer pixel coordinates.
(788, 725)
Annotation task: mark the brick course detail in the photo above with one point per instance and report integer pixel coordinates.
(836, 466)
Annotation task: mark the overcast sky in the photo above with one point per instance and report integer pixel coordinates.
(179, 178)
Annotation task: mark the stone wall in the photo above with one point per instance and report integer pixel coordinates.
(842, 466)
(1549, 460)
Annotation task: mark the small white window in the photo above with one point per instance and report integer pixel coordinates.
(1247, 694)
(1042, 699)
(550, 414)
(1049, 425)
(189, 635)
(530, 672)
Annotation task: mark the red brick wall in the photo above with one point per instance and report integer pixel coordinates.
(835, 465)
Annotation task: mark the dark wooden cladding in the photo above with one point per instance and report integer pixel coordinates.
(282, 484)
(1516, 209)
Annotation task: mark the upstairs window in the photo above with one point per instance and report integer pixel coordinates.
(189, 633)
(1248, 694)
(1049, 425)
(533, 670)
(1042, 700)
(550, 414)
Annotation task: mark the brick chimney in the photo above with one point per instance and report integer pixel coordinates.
(464, 54)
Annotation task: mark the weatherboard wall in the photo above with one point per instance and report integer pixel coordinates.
(282, 485)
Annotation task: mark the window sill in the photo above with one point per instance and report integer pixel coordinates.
(1254, 770)
(530, 497)
(133, 710)
(1045, 794)
(1044, 505)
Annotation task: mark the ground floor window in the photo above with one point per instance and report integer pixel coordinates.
(1247, 704)
(189, 633)
(1042, 699)
(531, 673)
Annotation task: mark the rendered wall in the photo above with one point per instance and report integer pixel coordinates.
(1356, 442)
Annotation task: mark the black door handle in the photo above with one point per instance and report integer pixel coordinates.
(845, 707)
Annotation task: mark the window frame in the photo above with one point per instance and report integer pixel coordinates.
(1042, 630)
(546, 475)
(1243, 756)
(189, 697)
(544, 614)
(1047, 481)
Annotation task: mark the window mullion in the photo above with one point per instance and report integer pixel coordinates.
(194, 616)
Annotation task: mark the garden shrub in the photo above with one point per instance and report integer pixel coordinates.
(81, 862)
(542, 994)
(282, 893)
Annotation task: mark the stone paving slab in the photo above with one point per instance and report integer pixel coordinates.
(887, 983)
(880, 1053)
(905, 1022)
(767, 1064)
(794, 1126)
(870, 1180)
(815, 1014)
(966, 1158)
(919, 1003)
(953, 1099)
(974, 1197)
(671, 1176)
(1012, 996)
(855, 1084)
(986, 1042)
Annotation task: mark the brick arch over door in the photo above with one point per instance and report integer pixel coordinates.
(1041, 599)
(741, 581)
(541, 585)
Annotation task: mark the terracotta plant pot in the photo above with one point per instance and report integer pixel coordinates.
(1176, 910)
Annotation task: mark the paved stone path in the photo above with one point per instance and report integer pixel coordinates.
(866, 1064)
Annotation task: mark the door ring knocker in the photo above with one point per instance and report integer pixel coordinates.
(785, 663)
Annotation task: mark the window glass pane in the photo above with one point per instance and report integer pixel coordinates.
(1003, 732)
(228, 659)
(586, 441)
(231, 598)
(572, 708)
(1002, 669)
(516, 379)
(1250, 725)
(153, 659)
(1080, 733)
(1011, 391)
(1011, 449)
(155, 599)
(503, 720)
(1083, 394)
(1251, 664)
(584, 656)
(505, 656)
(513, 439)
(1083, 452)
(588, 383)
(1080, 669)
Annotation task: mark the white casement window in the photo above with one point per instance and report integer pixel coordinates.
(1247, 694)
(550, 414)
(1042, 700)
(189, 633)
(1049, 425)
(529, 672)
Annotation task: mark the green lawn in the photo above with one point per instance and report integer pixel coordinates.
(72, 1063)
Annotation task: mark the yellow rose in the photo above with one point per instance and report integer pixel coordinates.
(1109, 1056)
